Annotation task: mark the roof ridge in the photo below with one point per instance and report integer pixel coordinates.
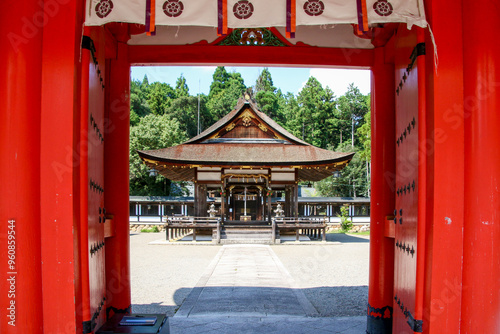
(219, 124)
(229, 117)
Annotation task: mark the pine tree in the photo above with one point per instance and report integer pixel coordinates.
(160, 97)
(267, 96)
(225, 91)
(181, 87)
(220, 81)
(316, 114)
(352, 107)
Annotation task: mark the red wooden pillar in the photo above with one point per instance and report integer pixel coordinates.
(445, 177)
(59, 166)
(481, 269)
(116, 179)
(20, 93)
(382, 198)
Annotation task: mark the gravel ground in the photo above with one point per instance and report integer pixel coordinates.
(162, 275)
(333, 276)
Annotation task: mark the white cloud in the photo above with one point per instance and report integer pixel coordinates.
(339, 79)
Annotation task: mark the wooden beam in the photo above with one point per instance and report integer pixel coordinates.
(249, 55)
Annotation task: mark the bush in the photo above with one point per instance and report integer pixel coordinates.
(345, 223)
(153, 229)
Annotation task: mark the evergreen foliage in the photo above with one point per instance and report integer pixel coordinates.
(352, 181)
(152, 132)
(181, 87)
(225, 91)
(268, 97)
(162, 116)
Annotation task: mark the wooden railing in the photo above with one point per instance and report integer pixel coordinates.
(314, 227)
(177, 227)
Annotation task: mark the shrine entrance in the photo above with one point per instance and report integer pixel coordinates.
(64, 132)
(248, 204)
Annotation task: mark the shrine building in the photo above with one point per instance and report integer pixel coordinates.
(244, 158)
(65, 129)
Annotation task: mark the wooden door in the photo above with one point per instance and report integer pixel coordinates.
(406, 211)
(94, 126)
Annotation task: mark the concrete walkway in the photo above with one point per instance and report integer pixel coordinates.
(246, 289)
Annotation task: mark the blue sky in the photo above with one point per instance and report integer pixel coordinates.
(288, 79)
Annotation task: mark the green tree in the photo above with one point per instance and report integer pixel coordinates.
(352, 181)
(181, 87)
(225, 91)
(185, 110)
(352, 107)
(315, 120)
(220, 81)
(152, 132)
(290, 107)
(160, 97)
(138, 100)
(364, 132)
(267, 96)
(364, 135)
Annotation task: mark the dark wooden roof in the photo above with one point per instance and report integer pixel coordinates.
(245, 137)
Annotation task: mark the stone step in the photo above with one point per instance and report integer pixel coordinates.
(248, 241)
(246, 236)
(235, 232)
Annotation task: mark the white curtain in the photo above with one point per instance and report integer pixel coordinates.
(254, 13)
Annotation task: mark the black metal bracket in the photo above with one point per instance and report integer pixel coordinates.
(88, 44)
(418, 50)
(415, 325)
(117, 310)
(87, 327)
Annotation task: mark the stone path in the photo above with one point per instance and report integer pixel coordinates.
(246, 289)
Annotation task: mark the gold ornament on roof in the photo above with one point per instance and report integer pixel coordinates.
(246, 117)
(262, 127)
(230, 127)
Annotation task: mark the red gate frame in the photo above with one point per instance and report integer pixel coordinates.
(40, 123)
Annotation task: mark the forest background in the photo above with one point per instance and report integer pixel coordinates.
(163, 116)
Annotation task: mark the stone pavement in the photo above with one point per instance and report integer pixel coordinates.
(246, 289)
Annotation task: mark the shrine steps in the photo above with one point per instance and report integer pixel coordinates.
(247, 235)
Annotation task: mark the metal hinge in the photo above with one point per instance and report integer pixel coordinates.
(415, 325)
(87, 327)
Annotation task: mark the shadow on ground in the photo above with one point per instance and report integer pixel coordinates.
(339, 301)
(155, 308)
(346, 238)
